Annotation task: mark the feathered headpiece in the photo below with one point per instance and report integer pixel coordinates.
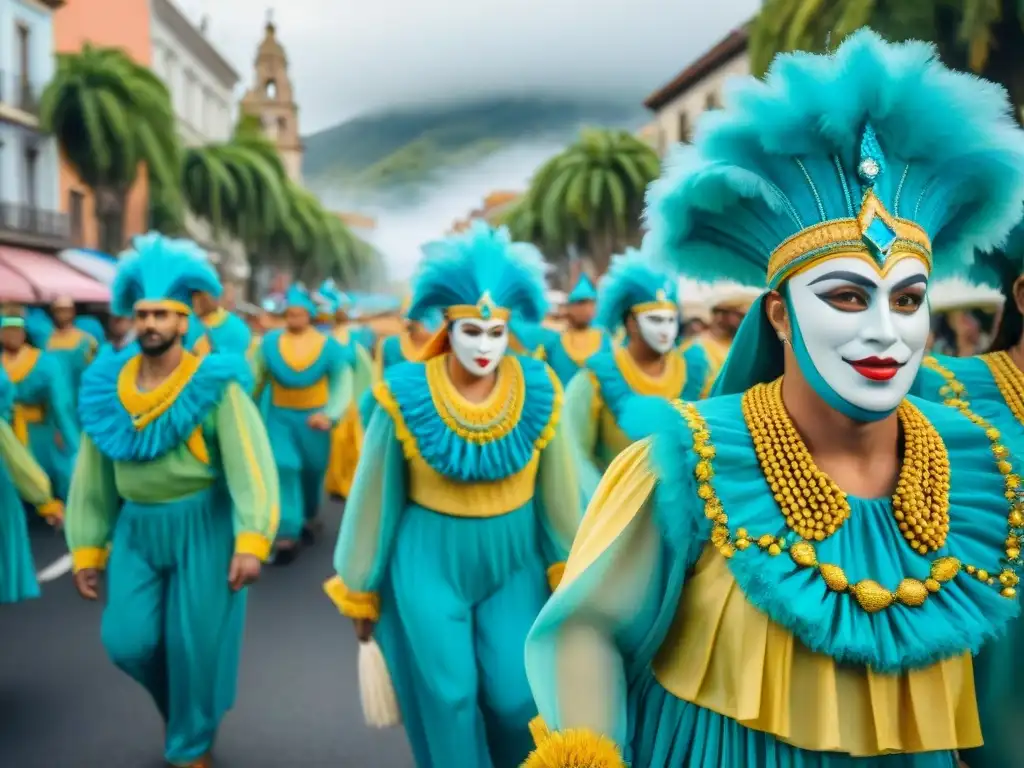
(583, 290)
(876, 151)
(1001, 267)
(634, 283)
(162, 271)
(480, 274)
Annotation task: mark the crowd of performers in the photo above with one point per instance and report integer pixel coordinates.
(792, 541)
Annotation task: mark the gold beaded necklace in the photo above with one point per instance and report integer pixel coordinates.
(815, 507)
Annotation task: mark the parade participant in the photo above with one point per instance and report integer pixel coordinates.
(642, 298)
(347, 435)
(729, 302)
(743, 590)
(43, 416)
(71, 347)
(20, 478)
(213, 328)
(453, 534)
(176, 437)
(990, 389)
(119, 333)
(310, 383)
(405, 346)
(569, 350)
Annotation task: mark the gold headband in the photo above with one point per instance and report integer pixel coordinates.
(889, 235)
(484, 309)
(661, 301)
(170, 305)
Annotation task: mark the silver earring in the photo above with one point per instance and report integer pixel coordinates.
(783, 339)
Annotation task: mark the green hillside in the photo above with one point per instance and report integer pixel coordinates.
(396, 152)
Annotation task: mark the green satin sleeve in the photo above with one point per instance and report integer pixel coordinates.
(250, 472)
(339, 387)
(580, 417)
(362, 375)
(92, 507)
(259, 370)
(557, 500)
(372, 512)
(28, 477)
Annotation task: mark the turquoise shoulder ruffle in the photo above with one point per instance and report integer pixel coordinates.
(333, 356)
(615, 392)
(232, 336)
(698, 368)
(109, 425)
(454, 456)
(391, 352)
(962, 617)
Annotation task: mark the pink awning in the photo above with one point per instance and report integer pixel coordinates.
(50, 278)
(14, 287)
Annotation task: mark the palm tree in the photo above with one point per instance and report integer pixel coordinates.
(112, 119)
(589, 197)
(983, 36)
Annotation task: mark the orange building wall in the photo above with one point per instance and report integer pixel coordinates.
(123, 24)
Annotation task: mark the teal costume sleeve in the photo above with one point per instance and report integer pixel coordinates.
(556, 497)
(367, 405)
(339, 384)
(581, 426)
(362, 373)
(372, 512)
(603, 624)
(62, 405)
(259, 370)
(92, 507)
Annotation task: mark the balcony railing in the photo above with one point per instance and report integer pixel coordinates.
(34, 227)
(17, 91)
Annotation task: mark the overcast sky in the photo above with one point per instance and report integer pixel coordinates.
(353, 56)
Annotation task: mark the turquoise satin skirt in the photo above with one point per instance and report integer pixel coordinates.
(668, 732)
(459, 597)
(17, 568)
(301, 454)
(1000, 702)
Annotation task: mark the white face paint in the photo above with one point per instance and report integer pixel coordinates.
(865, 334)
(659, 328)
(479, 345)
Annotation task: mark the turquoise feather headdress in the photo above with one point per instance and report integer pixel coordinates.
(583, 290)
(162, 271)
(334, 297)
(1002, 266)
(634, 283)
(480, 273)
(876, 150)
(298, 297)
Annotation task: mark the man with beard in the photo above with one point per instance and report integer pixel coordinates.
(44, 414)
(176, 437)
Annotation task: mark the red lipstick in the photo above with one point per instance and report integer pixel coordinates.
(483, 362)
(876, 368)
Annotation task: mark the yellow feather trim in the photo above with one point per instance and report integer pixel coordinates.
(575, 748)
(539, 730)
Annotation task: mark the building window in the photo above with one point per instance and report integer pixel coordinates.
(685, 129)
(282, 124)
(713, 101)
(271, 89)
(24, 91)
(31, 172)
(76, 212)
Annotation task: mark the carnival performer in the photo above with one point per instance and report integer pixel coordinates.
(176, 437)
(642, 298)
(989, 389)
(347, 435)
(453, 535)
(730, 301)
(43, 416)
(21, 478)
(213, 328)
(119, 334)
(70, 346)
(797, 571)
(309, 376)
(404, 346)
(567, 351)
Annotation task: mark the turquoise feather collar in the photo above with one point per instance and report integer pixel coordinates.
(959, 619)
(111, 426)
(427, 418)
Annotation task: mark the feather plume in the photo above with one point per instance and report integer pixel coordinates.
(157, 268)
(633, 278)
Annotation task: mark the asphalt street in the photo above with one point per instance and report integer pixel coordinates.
(63, 705)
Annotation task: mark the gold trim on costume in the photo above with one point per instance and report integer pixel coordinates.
(300, 350)
(64, 340)
(170, 305)
(581, 345)
(482, 422)
(652, 306)
(355, 605)
(484, 309)
(20, 364)
(668, 384)
(146, 407)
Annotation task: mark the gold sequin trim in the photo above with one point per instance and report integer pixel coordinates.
(815, 507)
(871, 596)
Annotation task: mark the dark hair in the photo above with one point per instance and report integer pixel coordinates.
(1011, 323)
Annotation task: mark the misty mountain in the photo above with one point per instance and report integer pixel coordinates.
(398, 154)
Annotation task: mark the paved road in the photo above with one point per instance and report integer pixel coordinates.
(63, 705)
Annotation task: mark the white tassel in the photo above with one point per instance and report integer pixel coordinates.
(380, 707)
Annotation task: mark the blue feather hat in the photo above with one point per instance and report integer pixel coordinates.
(1001, 267)
(162, 271)
(634, 283)
(479, 274)
(584, 290)
(298, 297)
(876, 151)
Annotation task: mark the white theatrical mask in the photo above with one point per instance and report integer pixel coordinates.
(479, 345)
(864, 333)
(659, 328)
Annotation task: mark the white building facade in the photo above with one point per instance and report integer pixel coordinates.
(678, 104)
(29, 160)
(202, 84)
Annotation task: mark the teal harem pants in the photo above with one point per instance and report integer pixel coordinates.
(301, 454)
(171, 621)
